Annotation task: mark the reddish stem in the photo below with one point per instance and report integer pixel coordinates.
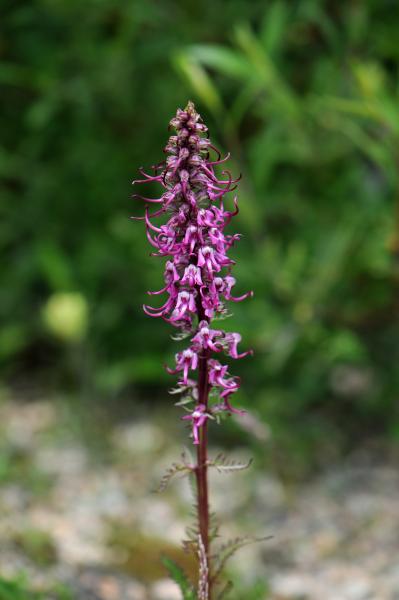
(201, 469)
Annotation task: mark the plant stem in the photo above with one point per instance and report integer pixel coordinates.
(202, 464)
(202, 459)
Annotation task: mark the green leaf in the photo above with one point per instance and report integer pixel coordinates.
(272, 30)
(179, 577)
(264, 69)
(200, 81)
(222, 59)
(225, 590)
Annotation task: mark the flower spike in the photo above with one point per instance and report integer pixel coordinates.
(198, 282)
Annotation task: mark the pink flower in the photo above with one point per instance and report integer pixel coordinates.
(232, 340)
(192, 276)
(185, 303)
(198, 418)
(186, 360)
(217, 376)
(205, 338)
(197, 277)
(207, 259)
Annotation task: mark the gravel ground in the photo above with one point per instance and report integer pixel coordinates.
(97, 526)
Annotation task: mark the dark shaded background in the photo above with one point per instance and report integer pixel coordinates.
(304, 95)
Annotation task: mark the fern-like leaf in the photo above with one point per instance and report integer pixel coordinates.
(225, 465)
(213, 527)
(228, 549)
(182, 469)
(190, 547)
(225, 590)
(180, 578)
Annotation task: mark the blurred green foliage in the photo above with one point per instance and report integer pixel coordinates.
(16, 466)
(305, 97)
(16, 590)
(19, 589)
(37, 545)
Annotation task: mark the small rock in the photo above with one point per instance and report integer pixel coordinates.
(110, 586)
(290, 586)
(165, 589)
(357, 590)
(138, 438)
(62, 462)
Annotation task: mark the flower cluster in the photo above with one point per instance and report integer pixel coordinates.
(197, 275)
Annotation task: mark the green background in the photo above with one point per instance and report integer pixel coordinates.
(305, 97)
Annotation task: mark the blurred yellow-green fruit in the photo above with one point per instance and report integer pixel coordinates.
(65, 315)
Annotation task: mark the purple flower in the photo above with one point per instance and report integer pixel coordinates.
(232, 340)
(198, 418)
(192, 276)
(186, 360)
(218, 377)
(185, 303)
(197, 275)
(207, 338)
